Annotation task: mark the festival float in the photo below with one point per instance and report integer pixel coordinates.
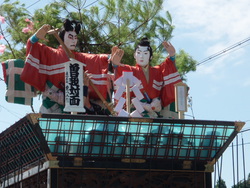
(122, 149)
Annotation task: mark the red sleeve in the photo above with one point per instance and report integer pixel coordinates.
(36, 55)
(170, 78)
(97, 65)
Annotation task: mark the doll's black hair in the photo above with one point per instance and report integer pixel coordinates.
(70, 25)
(145, 42)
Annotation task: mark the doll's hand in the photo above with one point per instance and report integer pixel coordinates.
(41, 33)
(116, 56)
(169, 48)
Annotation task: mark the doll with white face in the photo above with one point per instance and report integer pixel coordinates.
(69, 33)
(143, 53)
(157, 82)
(70, 39)
(52, 60)
(142, 56)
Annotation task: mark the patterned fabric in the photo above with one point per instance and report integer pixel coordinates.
(48, 105)
(17, 91)
(162, 79)
(47, 65)
(44, 63)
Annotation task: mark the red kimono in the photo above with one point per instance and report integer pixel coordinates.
(161, 80)
(44, 64)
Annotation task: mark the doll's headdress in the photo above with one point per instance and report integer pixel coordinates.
(69, 25)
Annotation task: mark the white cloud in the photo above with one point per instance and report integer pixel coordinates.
(211, 91)
(246, 83)
(211, 18)
(214, 25)
(212, 69)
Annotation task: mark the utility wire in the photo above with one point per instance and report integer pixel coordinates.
(11, 112)
(233, 163)
(245, 130)
(244, 165)
(224, 51)
(91, 3)
(237, 157)
(247, 143)
(33, 4)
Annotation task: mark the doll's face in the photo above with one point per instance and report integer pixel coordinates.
(70, 39)
(142, 56)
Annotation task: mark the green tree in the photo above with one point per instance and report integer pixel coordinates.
(243, 183)
(220, 183)
(108, 23)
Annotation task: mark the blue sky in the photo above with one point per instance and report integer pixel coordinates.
(220, 88)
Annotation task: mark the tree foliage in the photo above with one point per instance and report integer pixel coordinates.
(104, 24)
(243, 183)
(220, 183)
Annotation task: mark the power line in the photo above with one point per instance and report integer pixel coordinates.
(245, 130)
(224, 51)
(11, 112)
(247, 143)
(91, 3)
(33, 4)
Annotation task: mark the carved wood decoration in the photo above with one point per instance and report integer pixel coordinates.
(129, 179)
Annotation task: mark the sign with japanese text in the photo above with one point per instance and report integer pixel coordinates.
(181, 97)
(74, 86)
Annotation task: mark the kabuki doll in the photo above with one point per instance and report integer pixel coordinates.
(44, 67)
(156, 83)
